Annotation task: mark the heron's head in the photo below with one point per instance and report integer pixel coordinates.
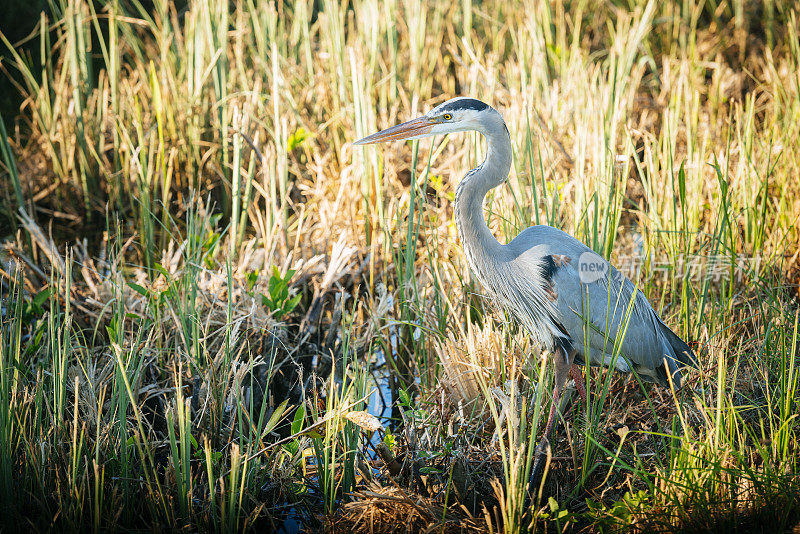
(457, 115)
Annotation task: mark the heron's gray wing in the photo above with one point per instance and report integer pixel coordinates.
(604, 311)
(565, 283)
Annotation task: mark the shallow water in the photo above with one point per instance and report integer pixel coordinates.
(292, 523)
(379, 403)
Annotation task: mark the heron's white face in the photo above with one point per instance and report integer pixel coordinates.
(456, 115)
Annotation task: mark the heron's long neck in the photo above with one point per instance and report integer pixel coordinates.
(477, 240)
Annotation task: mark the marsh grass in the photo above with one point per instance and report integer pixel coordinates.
(172, 172)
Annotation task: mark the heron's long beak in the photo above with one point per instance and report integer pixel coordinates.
(408, 130)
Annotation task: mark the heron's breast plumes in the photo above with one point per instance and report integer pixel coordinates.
(521, 287)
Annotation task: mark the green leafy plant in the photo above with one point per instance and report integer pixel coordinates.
(250, 279)
(34, 308)
(619, 513)
(390, 441)
(561, 516)
(296, 139)
(279, 301)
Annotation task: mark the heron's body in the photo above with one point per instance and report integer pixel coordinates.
(544, 277)
(580, 316)
(536, 278)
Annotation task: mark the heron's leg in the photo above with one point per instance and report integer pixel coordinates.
(577, 376)
(561, 363)
(551, 419)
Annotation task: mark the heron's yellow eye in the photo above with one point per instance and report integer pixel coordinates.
(447, 116)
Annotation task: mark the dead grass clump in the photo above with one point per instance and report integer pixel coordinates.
(480, 351)
(378, 509)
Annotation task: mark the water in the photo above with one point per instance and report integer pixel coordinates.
(292, 523)
(379, 402)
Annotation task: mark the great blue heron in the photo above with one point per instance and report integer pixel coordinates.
(566, 296)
